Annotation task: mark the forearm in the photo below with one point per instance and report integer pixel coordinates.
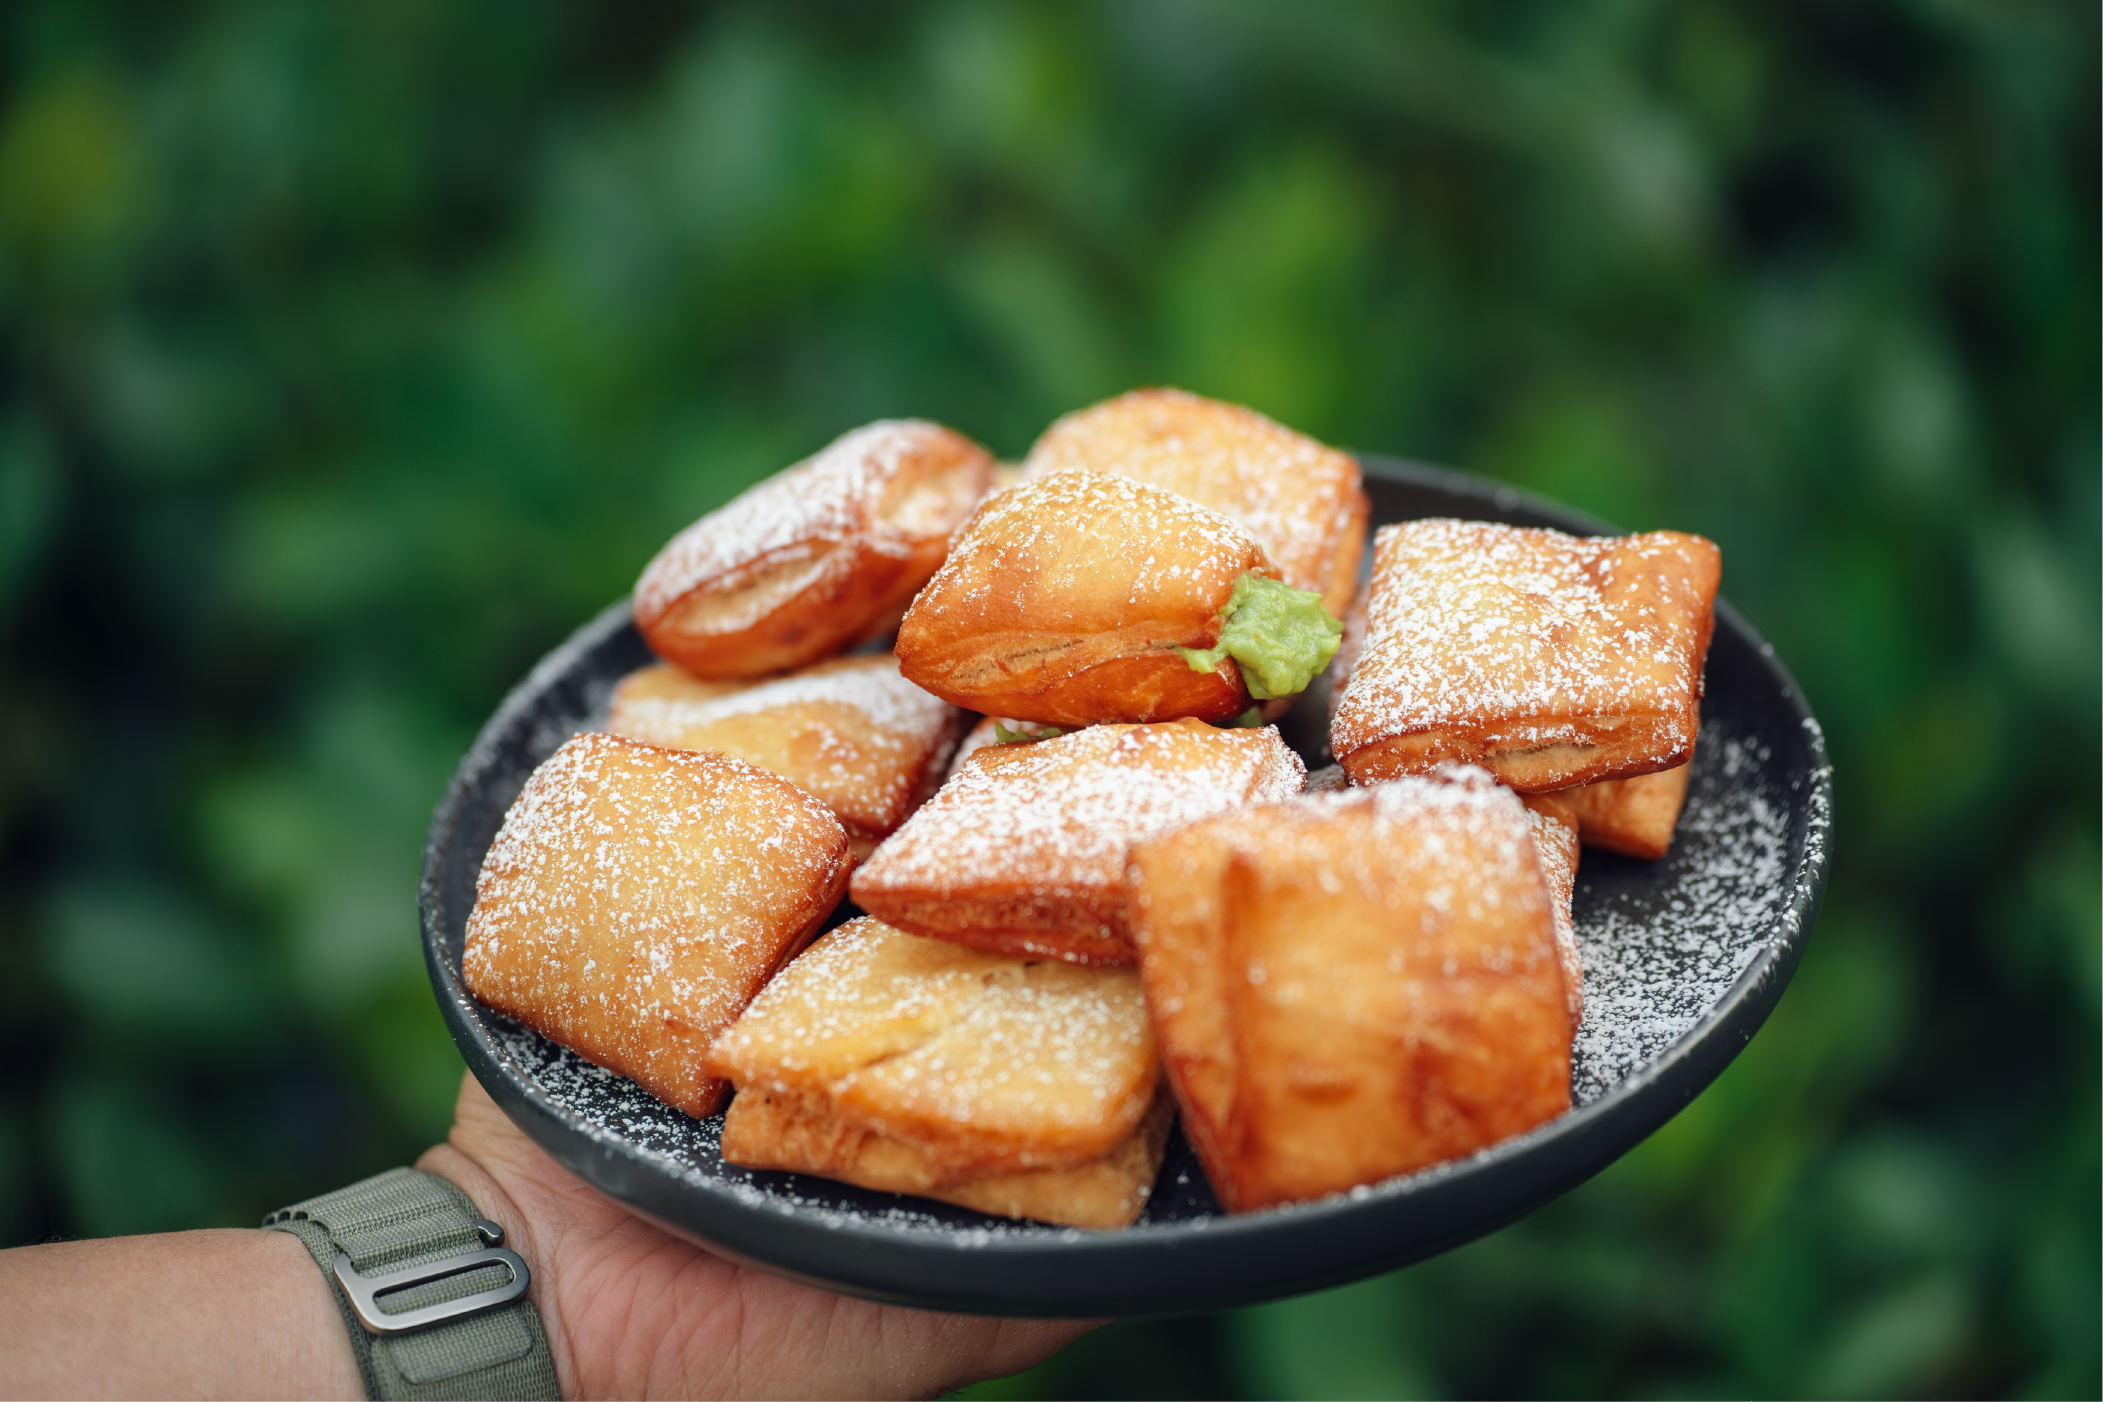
(187, 1314)
(628, 1311)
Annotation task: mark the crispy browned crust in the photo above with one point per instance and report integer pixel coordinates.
(852, 731)
(723, 874)
(1129, 675)
(1467, 660)
(1086, 928)
(766, 1130)
(1301, 499)
(1063, 601)
(814, 559)
(1311, 1047)
(1555, 834)
(1023, 850)
(1635, 817)
(1623, 746)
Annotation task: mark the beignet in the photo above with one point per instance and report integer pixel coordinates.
(814, 559)
(1025, 1087)
(1550, 660)
(1351, 986)
(1301, 499)
(1635, 817)
(1023, 850)
(636, 898)
(852, 731)
(1064, 600)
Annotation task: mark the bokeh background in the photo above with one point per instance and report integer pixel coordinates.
(355, 353)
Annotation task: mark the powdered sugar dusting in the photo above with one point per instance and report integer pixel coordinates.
(972, 1055)
(635, 898)
(1171, 549)
(894, 713)
(1469, 840)
(1653, 971)
(1292, 493)
(989, 732)
(1061, 813)
(852, 731)
(1650, 979)
(800, 513)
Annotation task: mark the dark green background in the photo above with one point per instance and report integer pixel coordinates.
(354, 354)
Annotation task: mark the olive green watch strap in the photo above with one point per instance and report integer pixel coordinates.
(436, 1307)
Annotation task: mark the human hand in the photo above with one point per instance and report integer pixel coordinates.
(632, 1311)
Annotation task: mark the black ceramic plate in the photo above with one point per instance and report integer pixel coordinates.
(1684, 958)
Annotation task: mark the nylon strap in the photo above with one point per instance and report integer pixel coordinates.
(404, 1218)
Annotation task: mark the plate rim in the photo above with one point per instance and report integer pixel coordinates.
(978, 1273)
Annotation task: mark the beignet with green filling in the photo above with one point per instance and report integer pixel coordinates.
(1301, 499)
(1081, 597)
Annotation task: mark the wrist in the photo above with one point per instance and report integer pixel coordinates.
(433, 1302)
(314, 1356)
(495, 1202)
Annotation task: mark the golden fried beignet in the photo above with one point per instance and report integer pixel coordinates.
(1023, 850)
(1064, 600)
(1300, 499)
(1555, 837)
(1027, 1087)
(636, 898)
(1351, 986)
(1550, 660)
(852, 731)
(1635, 817)
(814, 559)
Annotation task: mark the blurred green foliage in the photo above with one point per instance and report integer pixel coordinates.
(354, 353)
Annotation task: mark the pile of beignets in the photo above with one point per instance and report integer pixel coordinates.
(1095, 889)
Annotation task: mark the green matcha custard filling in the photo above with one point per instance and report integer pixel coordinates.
(1281, 636)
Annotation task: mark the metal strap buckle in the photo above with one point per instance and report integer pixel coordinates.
(364, 1291)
